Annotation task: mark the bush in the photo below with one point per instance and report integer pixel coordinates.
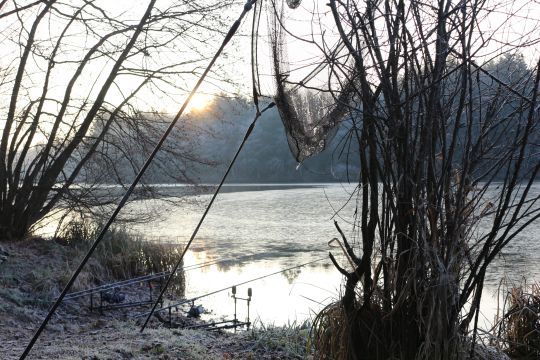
(123, 255)
(519, 328)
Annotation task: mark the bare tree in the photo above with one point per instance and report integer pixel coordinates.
(75, 78)
(445, 124)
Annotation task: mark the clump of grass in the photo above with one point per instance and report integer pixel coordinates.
(336, 335)
(290, 340)
(328, 335)
(519, 328)
(123, 255)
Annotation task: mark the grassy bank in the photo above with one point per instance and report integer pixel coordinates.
(35, 270)
(121, 339)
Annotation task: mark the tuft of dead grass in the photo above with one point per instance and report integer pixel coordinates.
(328, 334)
(518, 331)
(37, 269)
(123, 255)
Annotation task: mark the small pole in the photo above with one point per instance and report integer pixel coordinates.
(101, 302)
(234, 297)
(250, 292)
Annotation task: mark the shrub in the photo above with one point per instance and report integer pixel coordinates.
(519, 328)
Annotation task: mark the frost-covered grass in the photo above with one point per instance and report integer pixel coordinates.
(35, 272)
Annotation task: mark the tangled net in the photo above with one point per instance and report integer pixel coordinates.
(293, 4)
(310, 115)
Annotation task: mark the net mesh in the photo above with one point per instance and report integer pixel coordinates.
(293, 4)
(310, 114)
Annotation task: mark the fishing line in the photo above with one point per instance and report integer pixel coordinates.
(254, 61)
(228, 287)
(216, 192)
(258, 114)
(124, 283)
(228, 37)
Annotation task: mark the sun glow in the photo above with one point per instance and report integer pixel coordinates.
(199, 102)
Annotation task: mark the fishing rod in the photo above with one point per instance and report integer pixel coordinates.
(119, 284)
(247, 7)
(196, 230)
(149, 313)
(127, 282)
(249, 4)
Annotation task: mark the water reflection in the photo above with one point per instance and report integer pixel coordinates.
(292, 275)
(292, 295)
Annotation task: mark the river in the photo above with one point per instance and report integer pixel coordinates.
(256, 230)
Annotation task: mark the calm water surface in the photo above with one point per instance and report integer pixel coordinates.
(264, 229)
(256, 230)
(259, 231)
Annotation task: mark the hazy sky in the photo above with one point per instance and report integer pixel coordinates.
(312, 21)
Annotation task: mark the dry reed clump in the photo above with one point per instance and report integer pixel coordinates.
(328, 334)
(38, 269)
(336, 336)
(519, 328)
(123, 255)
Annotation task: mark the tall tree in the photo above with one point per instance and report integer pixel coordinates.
(75, 77)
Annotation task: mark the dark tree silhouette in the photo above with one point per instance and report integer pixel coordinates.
(447, 137)
(74, 77)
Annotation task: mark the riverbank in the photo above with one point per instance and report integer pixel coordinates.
(97, 337)
(32, 273)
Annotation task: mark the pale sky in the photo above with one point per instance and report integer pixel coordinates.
(523, 29)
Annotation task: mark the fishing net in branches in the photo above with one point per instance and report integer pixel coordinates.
(310, 113)
(293, 4)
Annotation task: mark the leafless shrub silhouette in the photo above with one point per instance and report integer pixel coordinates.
(74, 78)
(445, 127)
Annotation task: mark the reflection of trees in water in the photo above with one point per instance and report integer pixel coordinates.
(239, 262)
(292, 274)
(202, 256)
(226, 265)
(325, 266)
(219, 258)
